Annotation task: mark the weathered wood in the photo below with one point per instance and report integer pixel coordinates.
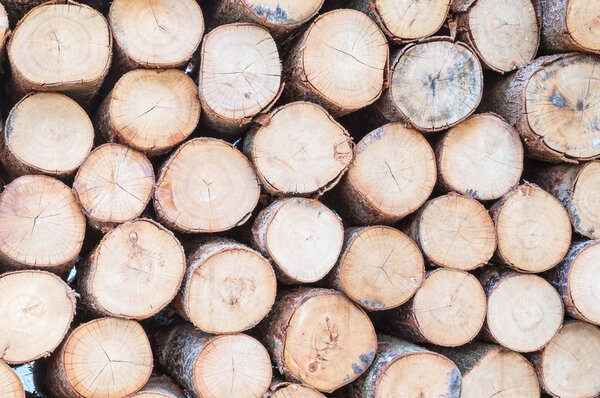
(570, 25)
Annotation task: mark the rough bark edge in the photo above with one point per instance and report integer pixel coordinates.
(555, 32)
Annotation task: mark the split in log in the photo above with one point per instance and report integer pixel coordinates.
(570, 365)
(533, 229)
(46, 133)
(393, 173)
(504, 34)
(106, 357)
(301, 150)
(447, 310)
(160, 387)
(552, 102)
(232, 93)
(576, 279)
(570, 25)
(60, 46)
(524, 311)
(134, 272)
(482, 157)
(578, 189)
(113, 185)
(155, 34)
(10, 384)
(434, 84)
(453, 231)
(209, 366)
(380, 268)
(281, 17)
(402, 369)
(207, 185)
(301, 236)
(310, 329)
(150, 110)
(37, 310)
(405, 20)
(228, 287)
(489, 370)
(41, 225)
(283, 389)
(339, 62)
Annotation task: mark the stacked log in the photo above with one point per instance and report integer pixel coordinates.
(283, 389)
(10, 384)
(570, 25)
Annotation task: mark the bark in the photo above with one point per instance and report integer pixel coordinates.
(556, 37)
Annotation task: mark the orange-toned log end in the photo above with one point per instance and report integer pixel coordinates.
(10, 384)
(37, 308)
(134, 272)
(113, 185)
(282, 389)
(106, 357)
(207, 185)
(228, 287)
(570, 25)
(150, 110)
(393, 173)
(380, 267)
(41, 225)
(160, 387)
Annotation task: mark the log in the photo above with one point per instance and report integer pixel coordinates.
(568, 366)
(210, 366)
(37, 310)
(41, 226)
(106, 357)
(155, 34)
(504, 34)
(113, 185)
(401, 368)
(405, 20)
(309, 329)
(533, 229)
(284, 389)
(228, 287)
(160, 387)
(380, 267)
(206, 185)
(60, 46)
(575, 279)
(133, 273)
(150, 110)
(233, 93)
(447, 310)
(555, 119)
(392, 175)
(46, 133)
(434, 84)
(489, 370)
(575, 186)
(4, 29)
(339, 62)
(16, 9)
(10, 384)
(281, 18)
(481, 157)
(524, 311)
(570, 25)
(292, 153)
(301, 236)
(453, 231)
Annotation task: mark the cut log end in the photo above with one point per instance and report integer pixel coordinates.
(301, 151)
(582, 24)
(292, 390)
(157, 33)
(134, 272)
(160, 387)
(380, 267)
(392, 175)
(481, 157)
(151, 111)
(456, 232)
(113, 185)
(409, 20)
(207, 185)
(524, 311)
(278, 15)
(10, 384)
(584, 206)
(37, 310)
(232, 93)
(302, 237)
(41, 225)
(570, 365)
(533, 228)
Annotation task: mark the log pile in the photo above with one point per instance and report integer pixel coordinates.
(299, 198)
